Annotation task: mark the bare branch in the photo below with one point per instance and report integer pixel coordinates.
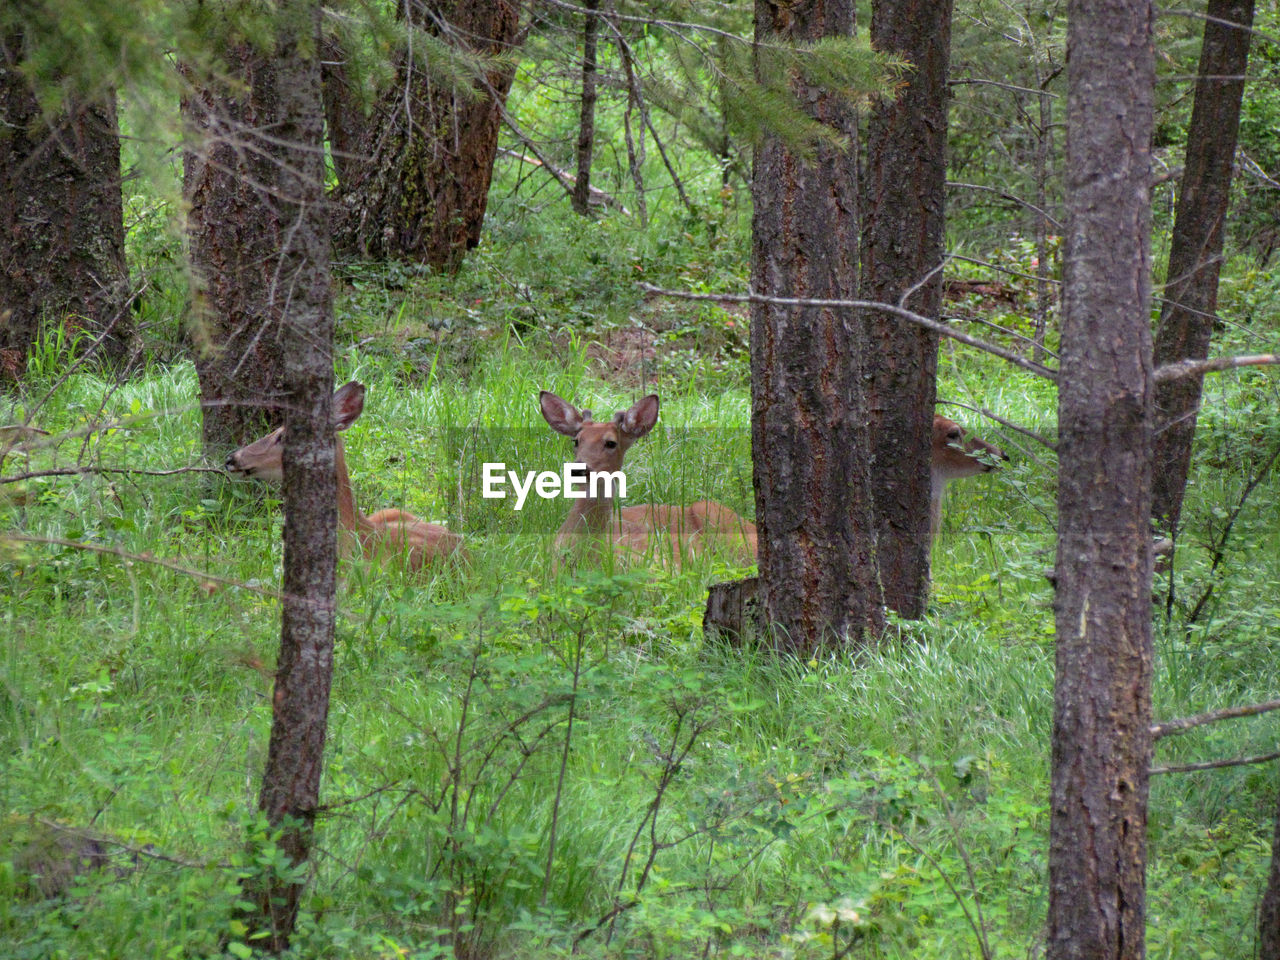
(1183, 724)
(1026, 432)
(901, 313)
(130, 471)
(1214, 764)
(1191, 368)
(1012, 198)
(139, 558)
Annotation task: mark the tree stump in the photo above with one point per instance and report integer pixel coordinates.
(733, 613)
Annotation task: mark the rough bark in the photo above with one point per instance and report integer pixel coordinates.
(1102, 697)
(818, 581)
(1195, 253)
(233, 241)
(61, 221)
(587, 115)
(1269, 909)
(346, 125)
(902, 247)
(301, 301)
(432, 143)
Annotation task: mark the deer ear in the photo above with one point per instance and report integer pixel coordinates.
(640, 419)
(562, 416)
(348, 404)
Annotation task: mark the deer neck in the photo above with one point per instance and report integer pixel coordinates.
(590, 515)
(349, 517)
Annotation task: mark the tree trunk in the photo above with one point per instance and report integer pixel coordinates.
(587, 116)
(1269, 909)
(432, 142)
(291, 781)
(1102, 697)
(818, 581)
(61, 221)
(1195, 255)
(234, 237)
(902, 249)
(345, 123)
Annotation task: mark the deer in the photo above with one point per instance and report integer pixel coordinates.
(955, 454)
(632, 530)
(387, 536)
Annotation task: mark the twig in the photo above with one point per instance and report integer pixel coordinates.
(903, 314)
(1183, 724)
(73, 471)
(1214, 764)
(1025, 431)
(140, 558)
(1012, 198)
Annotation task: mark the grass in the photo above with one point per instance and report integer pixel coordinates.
(721, 802)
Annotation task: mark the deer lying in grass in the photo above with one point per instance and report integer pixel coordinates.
(388, 536)
(956, 454)
(682, 531)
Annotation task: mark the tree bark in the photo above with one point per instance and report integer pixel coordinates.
(902, 247)
(345, 122)
(1102, 697)
(587, 115)
(1195, 254)
(61, 221)
(234, 235)
(291, 781)
(1269, 909)
(432, 143)
(818, 583)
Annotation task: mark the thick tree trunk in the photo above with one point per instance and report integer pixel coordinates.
(1102, 697)
(61, 221)
(346, 125)
(291, 781)
(1195, 255)
(234, 234)
(587, 115)
(902, 248)
(818, 581)
(432, 143)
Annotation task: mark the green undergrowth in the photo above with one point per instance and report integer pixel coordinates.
(700, 797)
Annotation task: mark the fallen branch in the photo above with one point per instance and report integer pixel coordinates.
(140, 558)
(566, 179)
(1183, 724)
(73, 471)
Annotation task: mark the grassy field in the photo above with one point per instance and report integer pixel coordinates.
(524, 765)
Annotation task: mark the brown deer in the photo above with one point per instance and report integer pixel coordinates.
(955, 454)
(683, 531)
(387, 536)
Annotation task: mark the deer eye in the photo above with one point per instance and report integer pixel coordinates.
(611, 444)
(953, 435)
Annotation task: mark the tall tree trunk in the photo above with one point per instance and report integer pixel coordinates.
(818, 581)
(234, 234)
(300, 298)
(345, 123)
(1102, 696)
(587, 115)
(432, 143)
(902, 248)
(1195, 255)
(61, 220)
(1269, 909)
